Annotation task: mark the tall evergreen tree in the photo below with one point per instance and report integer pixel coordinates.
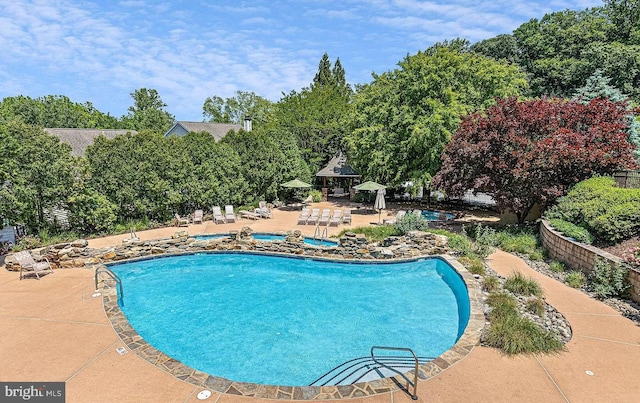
(323, 76)
(315, 115)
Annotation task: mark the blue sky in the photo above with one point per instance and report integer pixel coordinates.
(101, 51)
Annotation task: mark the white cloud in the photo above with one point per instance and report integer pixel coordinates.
(101, 52)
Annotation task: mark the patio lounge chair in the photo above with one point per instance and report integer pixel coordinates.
(314, 217)
(263, 211)
(229, 215)
(304, 216)
(336, 218)
(198, 216)
(308, 200)
(29, 266)
(325, 217)
(346, 217)
(217, 215)
(180, 221)
(249, 214)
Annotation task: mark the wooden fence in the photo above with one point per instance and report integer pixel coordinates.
(628, 179)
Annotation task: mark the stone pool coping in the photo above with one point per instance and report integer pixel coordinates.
(138, 345)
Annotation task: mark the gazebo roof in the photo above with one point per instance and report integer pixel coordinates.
(338, 168)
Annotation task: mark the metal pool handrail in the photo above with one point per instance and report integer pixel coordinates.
(414, 396)
(114, 276)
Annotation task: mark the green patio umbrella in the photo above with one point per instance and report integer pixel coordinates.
(370, 186)
(296, 183)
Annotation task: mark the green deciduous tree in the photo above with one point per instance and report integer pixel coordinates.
(402, 121)
(55, 111)
(212, 172)
(147, 112)
(36, 173)
(135, 172)
(502, 47)
(316, 114)
(234, 109)
(267, 159)
(625, 20)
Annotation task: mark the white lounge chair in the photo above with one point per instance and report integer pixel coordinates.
(304, 216)
(181, 221)
(249, 214)
(229, 215)
(198, 216)
(217, 215)
(325, 217)
(29, 266)
(346, 216)
(263, 211)
(314, 217)
(336, 218)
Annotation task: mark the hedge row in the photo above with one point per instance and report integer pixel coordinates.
(611, 214)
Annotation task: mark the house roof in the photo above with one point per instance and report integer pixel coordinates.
(338, 168)
(80, 139)
(217, 130)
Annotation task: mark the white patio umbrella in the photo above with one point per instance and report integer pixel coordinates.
(379, 203)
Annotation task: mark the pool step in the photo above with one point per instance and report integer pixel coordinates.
(365, 369)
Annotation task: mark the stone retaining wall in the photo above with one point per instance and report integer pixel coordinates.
(582, 257)
(351, 246)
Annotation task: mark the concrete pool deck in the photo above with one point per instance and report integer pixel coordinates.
(52, 329)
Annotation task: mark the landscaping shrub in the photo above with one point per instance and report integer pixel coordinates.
(514, 334)
(487, 236)
(608, 280)
(502, 304)
(575, 279)
(609, 213)
(316, 195)
(536, 306)
(522, 242)
(571, 230)
(411, 222)
(490, 283)
(373, 233)
(556, 267)
(27, 242)
(460, 244)
(519, 284)
(473, 264)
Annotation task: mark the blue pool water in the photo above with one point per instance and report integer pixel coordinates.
(286, 321)
(273, 237)
(431, 215)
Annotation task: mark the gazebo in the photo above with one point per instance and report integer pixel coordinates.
(337, 167)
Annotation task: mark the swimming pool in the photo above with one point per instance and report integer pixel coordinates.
(432, 215)
(274, 237)
(286, 321)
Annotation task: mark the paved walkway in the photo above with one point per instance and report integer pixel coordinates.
(54, 330)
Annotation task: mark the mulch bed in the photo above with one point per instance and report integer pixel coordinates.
(622, 247)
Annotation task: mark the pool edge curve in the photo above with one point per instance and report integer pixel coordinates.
(467, 341)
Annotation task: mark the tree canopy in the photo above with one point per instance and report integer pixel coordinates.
(55, 111)
(147, 112)
(401, 122)
(234, 109)
(316, 114)
(530, 152)
(36, 173)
